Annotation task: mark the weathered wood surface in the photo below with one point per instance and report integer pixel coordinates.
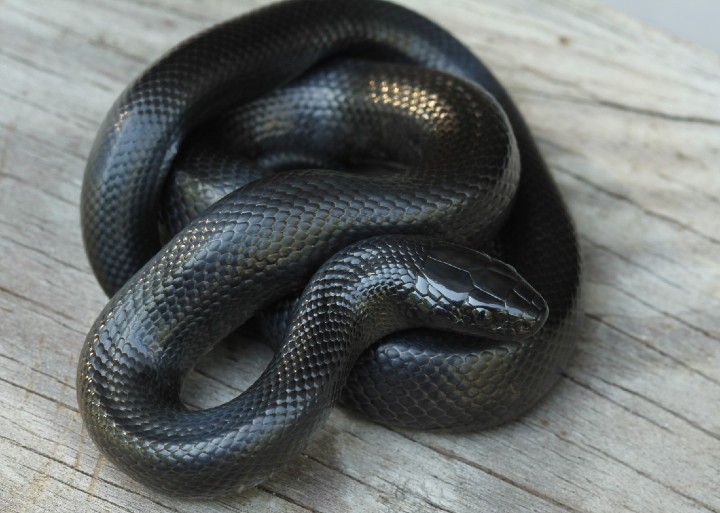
(629, 119)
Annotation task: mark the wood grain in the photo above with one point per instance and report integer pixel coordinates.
(629, 119)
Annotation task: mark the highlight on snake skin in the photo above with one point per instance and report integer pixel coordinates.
(352, 178)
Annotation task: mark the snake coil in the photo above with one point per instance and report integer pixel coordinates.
(354, 149)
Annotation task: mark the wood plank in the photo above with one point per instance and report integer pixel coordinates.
(629, 119)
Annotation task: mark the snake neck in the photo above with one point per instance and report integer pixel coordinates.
(353, 301)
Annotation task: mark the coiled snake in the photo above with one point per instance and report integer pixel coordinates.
(363, 149)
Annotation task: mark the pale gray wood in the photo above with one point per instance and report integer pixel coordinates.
(629, 119)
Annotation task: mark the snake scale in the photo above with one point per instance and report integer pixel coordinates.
(357, 151)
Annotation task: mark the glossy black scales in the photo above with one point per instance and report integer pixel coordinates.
(363, 149)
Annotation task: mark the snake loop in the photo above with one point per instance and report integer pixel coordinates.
(353, 149)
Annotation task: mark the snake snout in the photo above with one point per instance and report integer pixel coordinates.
(478, 294)
(525, 309)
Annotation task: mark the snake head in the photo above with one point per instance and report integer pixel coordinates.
(464, 290)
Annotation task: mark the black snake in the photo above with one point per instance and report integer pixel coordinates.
(369, 147)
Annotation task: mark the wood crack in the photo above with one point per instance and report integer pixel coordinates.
(669, 315)
(286, 498)
(648, 345)
(373, 487)
(26, 299)
(41, 395)
(492, 473)
(598, 102)
(625, 199)
(650, 477)
(84, 473)
(629, 410)
(50, 257)
(660, 406)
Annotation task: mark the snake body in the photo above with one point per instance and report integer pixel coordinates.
(358, 134)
